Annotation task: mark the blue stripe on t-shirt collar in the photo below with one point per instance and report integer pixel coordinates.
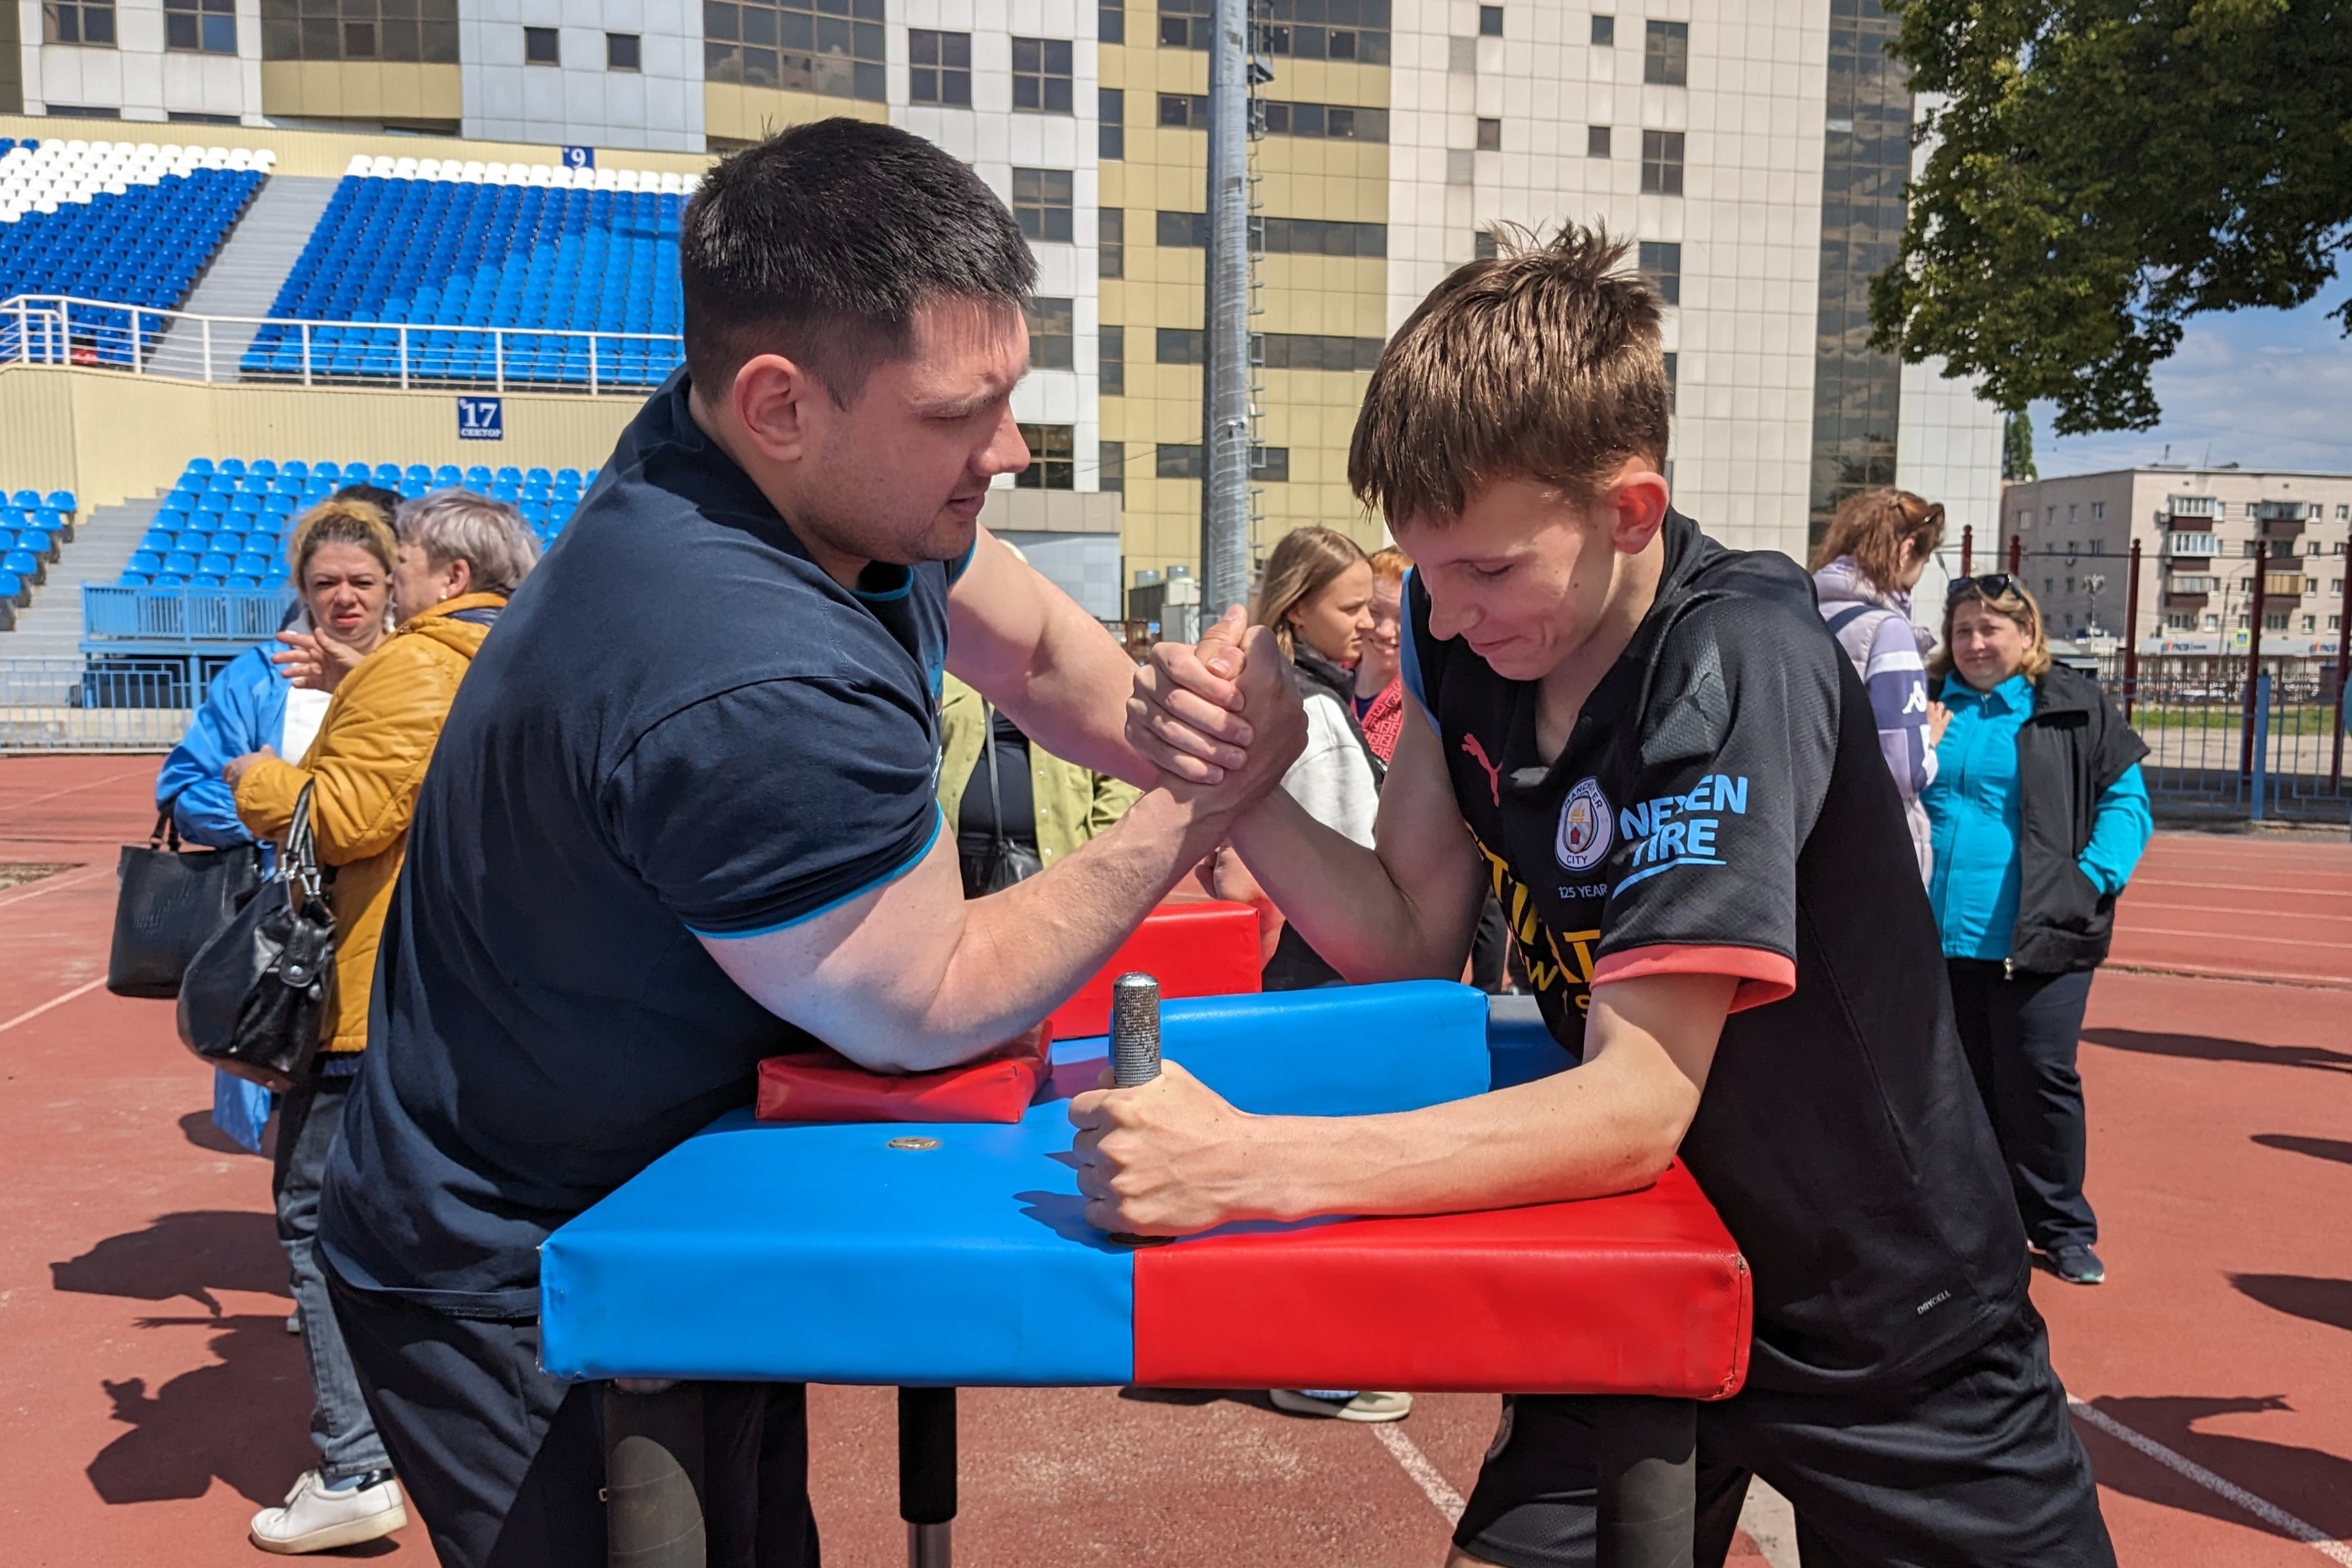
(884, 880)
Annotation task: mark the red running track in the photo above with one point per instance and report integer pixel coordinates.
(150, 1399)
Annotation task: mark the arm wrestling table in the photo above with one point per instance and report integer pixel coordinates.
(932, 1257)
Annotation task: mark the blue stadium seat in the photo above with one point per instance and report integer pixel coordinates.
(297, 471)
(180, 563)
(24, 564)
(252, 564)
(206, 579)
(539, 476)
(386, 474)
(65, 501)
(508, 476)
(213, 505)
(156, 540)
(146, 561)
(28, 499)
(447, 477)
(417, 473)
(13, 590)
(240, 581)
(477, 478)
(200, 466)
(38, 543)
(130, 578)
(213, 564)
(233, 466)
(49, 519)
(568, 477)
(168, 579)
(262, 467)
(333, 472)
(195, 540)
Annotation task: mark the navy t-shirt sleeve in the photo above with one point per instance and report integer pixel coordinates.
(762, 806)
(1737, 744)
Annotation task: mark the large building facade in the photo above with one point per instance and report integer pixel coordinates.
(1753, 150)
(2204, 534)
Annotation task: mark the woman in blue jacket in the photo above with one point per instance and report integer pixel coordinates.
(2037, 816)
(346, 587)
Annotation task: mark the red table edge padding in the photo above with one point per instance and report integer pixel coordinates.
(824, 1086)
(1197, 947)
(1644, 1294)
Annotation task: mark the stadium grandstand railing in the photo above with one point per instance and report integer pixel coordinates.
(63, 705)
(59, 329)
(117, 231)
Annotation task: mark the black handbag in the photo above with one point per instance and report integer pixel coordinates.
(169, 903)
(1004, 862)
(256, 997)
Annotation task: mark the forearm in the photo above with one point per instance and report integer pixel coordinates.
(1346, 902)
(1072, 697)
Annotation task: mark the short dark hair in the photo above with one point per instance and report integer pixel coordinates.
(376, 495)
(1542, 363)
(822, 241)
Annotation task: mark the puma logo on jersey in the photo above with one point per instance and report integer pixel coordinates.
(1473, 748)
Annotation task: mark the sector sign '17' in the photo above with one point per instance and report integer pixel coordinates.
(481, 419)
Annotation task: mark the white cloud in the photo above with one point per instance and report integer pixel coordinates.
(2265, 389)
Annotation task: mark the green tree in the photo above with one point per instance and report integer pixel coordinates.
(2017, 448)
(2104, 170)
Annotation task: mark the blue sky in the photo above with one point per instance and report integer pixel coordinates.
(2263, 389)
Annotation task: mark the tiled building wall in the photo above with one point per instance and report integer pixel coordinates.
(587, 98)
(136, 75)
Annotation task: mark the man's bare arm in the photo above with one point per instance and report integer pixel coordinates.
(1171, 1157)
(1403, 910)
(1026, 646)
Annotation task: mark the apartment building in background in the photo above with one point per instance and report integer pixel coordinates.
(1753, 154)
(2203, 534)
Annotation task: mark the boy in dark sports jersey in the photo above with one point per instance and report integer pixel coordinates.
(1647, 748)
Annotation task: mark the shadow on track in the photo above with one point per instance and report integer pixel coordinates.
(191, 1254)
(2210, 1048)
(2315, 1485)
(2334, 1149)
(2318, 1300)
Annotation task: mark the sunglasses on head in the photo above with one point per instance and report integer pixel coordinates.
(1991, 585)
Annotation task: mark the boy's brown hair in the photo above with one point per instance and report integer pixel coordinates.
(1542, 364)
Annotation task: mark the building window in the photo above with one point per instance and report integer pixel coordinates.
(1044, 201)
(1340, 122)
(1110, 468)
(624, 52)
(2274, 623)
(1662, 162)
(1490, 135)
(1041, 76)
(2310, 623)
(1110, 115)
(1182, 460)
(1052, 334)
(1665, 53)
(1276, 350)
(200, 26)
(1596, 142)
(1482, 246)
(1110, 362)
(1110, 24)
(396, 30)
(1661, 263)
(1671, 380)
(1604, 32)
(542, 47)
(1283, 236)
(64, 22)
(939, 67)
(1490, 21)
(2098, 510)
(829, 46)
(1303, 29)
(1110, 242)
(1053, 458)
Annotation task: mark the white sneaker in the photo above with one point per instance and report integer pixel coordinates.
(317, 1519)
(1363, 1405)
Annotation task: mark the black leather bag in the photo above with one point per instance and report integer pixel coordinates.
(1005, 860)
(170, 903)
(256, 997)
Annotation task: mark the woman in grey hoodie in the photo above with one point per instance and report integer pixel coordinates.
(1877, 545)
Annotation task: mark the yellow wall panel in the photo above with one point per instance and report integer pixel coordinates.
(330, 151)
(360, 90)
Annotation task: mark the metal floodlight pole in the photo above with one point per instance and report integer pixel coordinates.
(1225, 370)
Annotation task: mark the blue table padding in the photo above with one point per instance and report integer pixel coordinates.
(1519, 1045)
(820, 1254)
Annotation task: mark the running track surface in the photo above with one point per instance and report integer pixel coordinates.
(151, 1398)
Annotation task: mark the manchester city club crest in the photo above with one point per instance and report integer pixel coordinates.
(1584, 827)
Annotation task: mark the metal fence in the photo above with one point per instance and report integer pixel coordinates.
(70, 704)
(2213, 753)
(65, 330)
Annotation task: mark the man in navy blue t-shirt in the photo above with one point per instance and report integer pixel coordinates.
(683, 818)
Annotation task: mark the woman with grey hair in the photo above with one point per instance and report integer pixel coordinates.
(460, 555)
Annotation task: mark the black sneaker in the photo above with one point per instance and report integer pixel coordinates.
(2077, 1265)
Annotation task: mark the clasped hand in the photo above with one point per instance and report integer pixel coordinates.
(1225, 713)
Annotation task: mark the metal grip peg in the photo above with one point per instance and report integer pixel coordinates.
(1134, 1052)
(1134, 1029)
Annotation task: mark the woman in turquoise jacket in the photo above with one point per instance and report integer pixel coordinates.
(2037, 815)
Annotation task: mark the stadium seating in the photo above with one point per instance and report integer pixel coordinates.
(128, 224)
(224, 523)
(450, 247)
(34, 528)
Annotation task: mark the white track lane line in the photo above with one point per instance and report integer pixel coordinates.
(81, 990)
(1414, 1463)
(52, 883)
(2269, 1513)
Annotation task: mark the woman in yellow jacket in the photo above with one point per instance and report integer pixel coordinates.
(459, 558)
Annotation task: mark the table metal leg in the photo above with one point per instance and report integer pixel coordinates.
(1648, 1452)
(926, 1475)
(652, 1474)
